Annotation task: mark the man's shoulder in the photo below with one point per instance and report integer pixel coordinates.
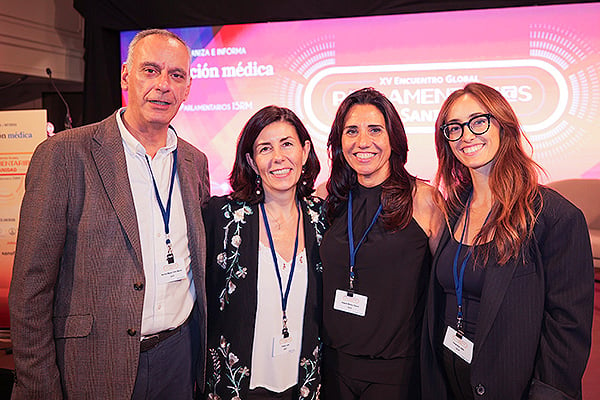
(86, 132)
(188, 148)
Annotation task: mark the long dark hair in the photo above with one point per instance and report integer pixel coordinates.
(243, 177)
(397, 189)
(513, 179)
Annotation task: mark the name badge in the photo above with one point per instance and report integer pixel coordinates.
(283, 345)
(459, 344)
(356, 304)
(171, 273)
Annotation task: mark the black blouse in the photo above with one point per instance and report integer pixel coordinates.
(472, 287)
(392, 270)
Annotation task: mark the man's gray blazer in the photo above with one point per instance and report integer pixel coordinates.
(75, 299)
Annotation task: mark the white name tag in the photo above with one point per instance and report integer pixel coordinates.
(283, 345)
(171, 273)
(461, 346)
(356, 304)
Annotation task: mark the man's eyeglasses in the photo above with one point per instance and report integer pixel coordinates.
(479, 125)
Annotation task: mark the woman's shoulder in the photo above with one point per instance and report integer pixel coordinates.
(313, 203)
(215, 203)
(225, 207)
(556, 209)
(424, 196)
(315, 211)
(427, 212)
(554, 203)
(423, 186)
(220, 201)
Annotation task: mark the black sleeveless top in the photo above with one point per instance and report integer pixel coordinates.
(392, 270)
(472, 287)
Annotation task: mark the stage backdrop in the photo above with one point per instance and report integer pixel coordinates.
(20, 133)
(545, 60)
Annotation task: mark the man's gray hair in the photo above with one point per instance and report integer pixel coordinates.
(149, 32)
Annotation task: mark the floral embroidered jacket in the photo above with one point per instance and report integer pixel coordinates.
(231, 268)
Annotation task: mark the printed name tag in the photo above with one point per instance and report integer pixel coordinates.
(356, 304)
(171, 273)
(461, 346)
(283, 345)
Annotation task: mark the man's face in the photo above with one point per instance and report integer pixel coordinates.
(157, 81)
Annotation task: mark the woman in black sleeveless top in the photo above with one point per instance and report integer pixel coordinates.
(372, 311)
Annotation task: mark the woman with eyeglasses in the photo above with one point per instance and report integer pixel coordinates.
(376, 255)
(511, 294)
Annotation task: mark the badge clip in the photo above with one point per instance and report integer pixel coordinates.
(285, 332)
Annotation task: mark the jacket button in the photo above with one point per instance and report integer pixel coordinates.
(131, 332)
(138, 286)
(480, 389)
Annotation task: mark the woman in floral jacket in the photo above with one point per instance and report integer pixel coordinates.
(263, 266)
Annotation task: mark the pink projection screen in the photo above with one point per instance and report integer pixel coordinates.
(545, 60)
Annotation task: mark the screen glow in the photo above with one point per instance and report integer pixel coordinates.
(545, 60)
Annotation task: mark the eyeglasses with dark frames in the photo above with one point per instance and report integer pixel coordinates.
(479, 124)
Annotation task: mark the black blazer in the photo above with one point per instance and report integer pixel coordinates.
(231, 268)
(533, 333)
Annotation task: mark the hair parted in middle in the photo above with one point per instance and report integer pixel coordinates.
(243, 178)
(513, 179)
(397, 189)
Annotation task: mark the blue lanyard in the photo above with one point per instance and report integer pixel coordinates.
(354, 250)
(459, 280)
(166, 212)
(284, 296)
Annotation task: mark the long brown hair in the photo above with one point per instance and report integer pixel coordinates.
(513, 180)
(397, 190)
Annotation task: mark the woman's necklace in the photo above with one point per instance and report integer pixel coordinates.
(277, 223)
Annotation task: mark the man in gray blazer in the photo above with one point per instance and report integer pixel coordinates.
(107, 297)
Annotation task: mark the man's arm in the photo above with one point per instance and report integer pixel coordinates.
(40, 243)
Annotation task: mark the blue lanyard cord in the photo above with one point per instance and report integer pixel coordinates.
(166, 212)
(284, 296)
(354, 250)
(459, 280)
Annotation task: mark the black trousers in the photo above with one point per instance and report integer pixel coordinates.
(458, 375)
(168, 371)
(265, 394)
(335, 385)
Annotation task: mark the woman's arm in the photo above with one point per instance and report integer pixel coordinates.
(427, 214)
(565, 340)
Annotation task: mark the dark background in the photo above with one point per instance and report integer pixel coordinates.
(104, 19)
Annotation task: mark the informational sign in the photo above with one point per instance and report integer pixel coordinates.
(544, 59)
(20, 133)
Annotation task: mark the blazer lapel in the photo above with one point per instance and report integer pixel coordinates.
(309, 231)
(497, 280)
(251, 235)
(109, 156)
(191, 201)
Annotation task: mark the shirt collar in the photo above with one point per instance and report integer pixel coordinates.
(133, 146)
